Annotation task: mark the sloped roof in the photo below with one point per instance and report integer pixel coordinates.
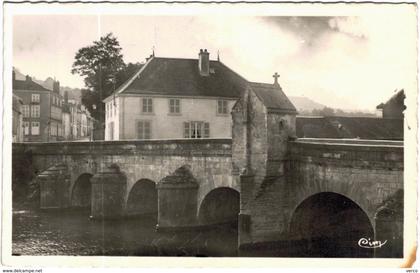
(350, 127)
(180, 77)
(397, 98)
(28, 85)
(273, 97)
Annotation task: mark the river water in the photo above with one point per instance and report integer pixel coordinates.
(71, 232)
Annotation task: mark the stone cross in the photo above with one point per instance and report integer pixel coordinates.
(276, 76)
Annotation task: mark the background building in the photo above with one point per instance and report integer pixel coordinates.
(41, 110)
(77, 121)
(394, 107)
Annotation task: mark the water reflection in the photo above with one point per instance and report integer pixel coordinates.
(70, 232)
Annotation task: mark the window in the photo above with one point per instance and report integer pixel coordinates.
(196, 129)
(147, 105)
(222, 107)
(35, 128)
(143, 130)
(25, 111)
(174, 106)
(26, 128)
(35, 98)
(35, 111)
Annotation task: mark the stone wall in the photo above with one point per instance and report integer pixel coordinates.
(208, 159)
(366, 172)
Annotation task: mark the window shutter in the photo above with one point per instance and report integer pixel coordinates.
(186, 130)
(144, 105)
(171, 105)
(140, 130)
(206, 130)
(177, 108)
(146, 128)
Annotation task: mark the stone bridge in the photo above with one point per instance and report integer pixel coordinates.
(324, 188)
(327, 185)
(70, 173)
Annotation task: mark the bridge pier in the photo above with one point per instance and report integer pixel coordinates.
(177, 200)
(54, 187)
(244, 219)
(108, 191)
(389, 226)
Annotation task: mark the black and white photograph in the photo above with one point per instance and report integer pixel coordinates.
(202, 130)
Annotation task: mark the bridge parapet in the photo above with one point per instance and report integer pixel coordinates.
(355, 153)
(173, 147)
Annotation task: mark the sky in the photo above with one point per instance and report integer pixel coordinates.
(342, 62)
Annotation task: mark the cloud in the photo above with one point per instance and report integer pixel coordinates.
(342, 62)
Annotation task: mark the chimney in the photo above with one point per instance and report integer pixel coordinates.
(66, 97)
(56, 87)
(28, 79)
(204, 62)
(14, 76)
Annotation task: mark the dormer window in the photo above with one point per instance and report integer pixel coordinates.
(222, 107)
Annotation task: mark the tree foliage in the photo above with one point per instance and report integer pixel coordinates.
(330, 112)
(99, 64)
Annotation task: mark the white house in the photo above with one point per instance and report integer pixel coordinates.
(174, 98)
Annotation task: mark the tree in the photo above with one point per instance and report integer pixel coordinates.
(99, 64)
(326, 111)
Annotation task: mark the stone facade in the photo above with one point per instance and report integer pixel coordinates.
(209, 161)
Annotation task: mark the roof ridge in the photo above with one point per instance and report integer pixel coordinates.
(271, 84)
(184, 59)
(41, 87)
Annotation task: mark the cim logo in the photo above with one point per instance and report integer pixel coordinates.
(368, 243)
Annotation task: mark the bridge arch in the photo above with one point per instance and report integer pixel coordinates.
(328, 224)
(142, 198)
(81, 192)
(220, 205)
